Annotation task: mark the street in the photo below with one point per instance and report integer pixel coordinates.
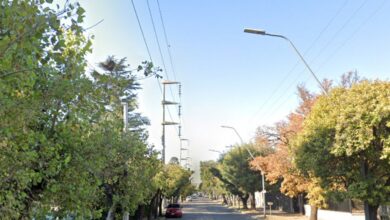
(204, 209)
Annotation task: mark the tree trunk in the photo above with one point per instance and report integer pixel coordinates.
(244, 200)
(110, 214)
(300, 204)
(153, 206)
(125, 215)
(160, 205)
(253, 200)
(313, 212)
(224, 199)
(370, 211)
(141, 211)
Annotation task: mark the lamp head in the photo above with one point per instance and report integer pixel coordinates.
(254, 31)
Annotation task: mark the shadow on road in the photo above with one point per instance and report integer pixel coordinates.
(204, 209)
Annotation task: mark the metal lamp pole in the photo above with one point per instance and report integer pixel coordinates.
(251, 155)
(262, 32)
(216, 151)
(239, 136)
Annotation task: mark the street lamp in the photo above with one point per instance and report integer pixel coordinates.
(239, 136)
(216, 151)
(251, 155)
(230, 127)
(263, 32)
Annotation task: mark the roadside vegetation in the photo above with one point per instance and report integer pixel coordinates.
(333, 147)
(63, 149)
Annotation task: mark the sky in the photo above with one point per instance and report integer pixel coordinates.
(230, 77)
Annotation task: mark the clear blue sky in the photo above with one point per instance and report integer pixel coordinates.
(234, 78)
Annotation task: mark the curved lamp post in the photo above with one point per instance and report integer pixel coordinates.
(216, 151)
(262, 32)
(251, 155)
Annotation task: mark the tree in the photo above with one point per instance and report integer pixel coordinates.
(63, 149)
(42, 125)
(173, 180)
(187, 190)
(279, 165)
(236, 170)
(174, 160)
(127, 163)
(211, 185)
(345, 143)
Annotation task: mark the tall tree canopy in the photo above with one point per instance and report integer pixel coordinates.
(345, 142)
(62, 146)
(279, 165)
(235, 169)
(210, 183)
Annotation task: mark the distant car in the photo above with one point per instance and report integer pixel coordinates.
(188, 199)
(173, 210)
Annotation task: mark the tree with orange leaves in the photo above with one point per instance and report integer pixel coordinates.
(279, 166)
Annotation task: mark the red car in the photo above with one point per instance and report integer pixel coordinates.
(173, 210)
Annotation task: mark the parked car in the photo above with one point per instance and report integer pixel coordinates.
(188, 199)
(173, 210)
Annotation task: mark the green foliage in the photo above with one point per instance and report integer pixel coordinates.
(62, 147)
(173, 180)
(210, 183)
(236, 169)
(188, 190)
(345, 142)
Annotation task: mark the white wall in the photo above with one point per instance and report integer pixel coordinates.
(333, 215)
(259, 199)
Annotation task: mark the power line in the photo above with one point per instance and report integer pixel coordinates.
(143, 34)
(261, 109)
(166, 40)
(273, 109)
(179, 109)
(150, 57)
(161, 55)
(156, 37)
(341, 45)
(353, 34)
(147, 48)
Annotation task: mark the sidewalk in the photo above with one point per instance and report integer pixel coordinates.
(275, 215)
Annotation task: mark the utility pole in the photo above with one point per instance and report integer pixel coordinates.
(164, 122)
(125, 116)
(182, 149)
(125, 128)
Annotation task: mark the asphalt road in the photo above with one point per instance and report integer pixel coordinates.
(204, 209)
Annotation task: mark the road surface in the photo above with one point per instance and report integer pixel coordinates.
(204, 209)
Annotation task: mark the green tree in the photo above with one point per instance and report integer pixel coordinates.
(187, 190)
(235, 169)
(42, 125)
(345, 143)
(210, 183)
(173, 179)
(279, 166)
(127, 163)
(61, 137)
